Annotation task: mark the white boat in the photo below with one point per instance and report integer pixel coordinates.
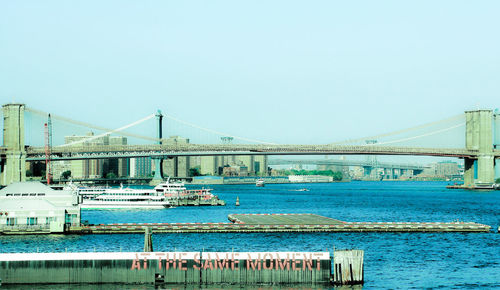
(124, 200)
(115, 198)
(260, 182)
(177, 190)
(163, 195)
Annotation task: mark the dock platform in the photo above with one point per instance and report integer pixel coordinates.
(272, 223)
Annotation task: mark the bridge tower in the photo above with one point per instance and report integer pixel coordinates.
(479, 137)
(13, 167)
(158, 177)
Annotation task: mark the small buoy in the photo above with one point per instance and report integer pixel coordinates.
(237, 201)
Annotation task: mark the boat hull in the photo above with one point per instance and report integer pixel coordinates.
(124, 205)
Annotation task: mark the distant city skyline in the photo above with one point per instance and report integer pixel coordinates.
(281, 71)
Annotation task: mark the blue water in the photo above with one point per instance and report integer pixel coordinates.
(392, 260)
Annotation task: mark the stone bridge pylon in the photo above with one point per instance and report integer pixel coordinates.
(13, 163)
(479, 128)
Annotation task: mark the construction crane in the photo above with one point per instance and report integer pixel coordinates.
(48, 150)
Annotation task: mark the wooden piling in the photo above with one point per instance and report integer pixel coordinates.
(148, 240)
(348, 267)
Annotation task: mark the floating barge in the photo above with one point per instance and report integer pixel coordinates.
(475, 187)
(272, 223)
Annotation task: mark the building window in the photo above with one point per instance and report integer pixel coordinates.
(71, 219)
(48, 220)
(31, 221)
(11, 221)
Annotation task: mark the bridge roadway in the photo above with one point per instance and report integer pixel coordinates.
(164, 151)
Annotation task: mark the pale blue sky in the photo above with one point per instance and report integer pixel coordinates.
(281, 71)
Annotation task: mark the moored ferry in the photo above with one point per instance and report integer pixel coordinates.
(116, 198)
(110, 200)
(166, 194)
(177, 190)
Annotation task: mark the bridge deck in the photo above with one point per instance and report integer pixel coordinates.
(162, 151)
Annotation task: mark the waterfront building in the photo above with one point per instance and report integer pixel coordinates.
(58, 167)
(140, 167)
(97, 168)
(444, 169)
(27, 206)
(209, 165)
(447, 169)
(309, 178)
(118, 166)
(260, 165)
(214, 165)
(178, 166)
(89, 168)
(230, 171)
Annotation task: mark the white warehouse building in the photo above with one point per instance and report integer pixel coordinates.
(32, 207)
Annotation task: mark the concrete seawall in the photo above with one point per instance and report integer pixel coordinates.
(196, 268)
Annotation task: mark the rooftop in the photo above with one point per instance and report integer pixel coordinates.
(31, 187)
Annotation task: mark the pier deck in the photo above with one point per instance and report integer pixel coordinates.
(283, 219)
(270, 223)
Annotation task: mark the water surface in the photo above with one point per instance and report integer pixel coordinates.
(392, 260)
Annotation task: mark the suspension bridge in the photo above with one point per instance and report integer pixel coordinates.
(479, 154)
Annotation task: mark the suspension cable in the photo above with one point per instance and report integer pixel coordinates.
(420, 136)
(91, 126)
(217, 132)
(456, 117)
(109, 132)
